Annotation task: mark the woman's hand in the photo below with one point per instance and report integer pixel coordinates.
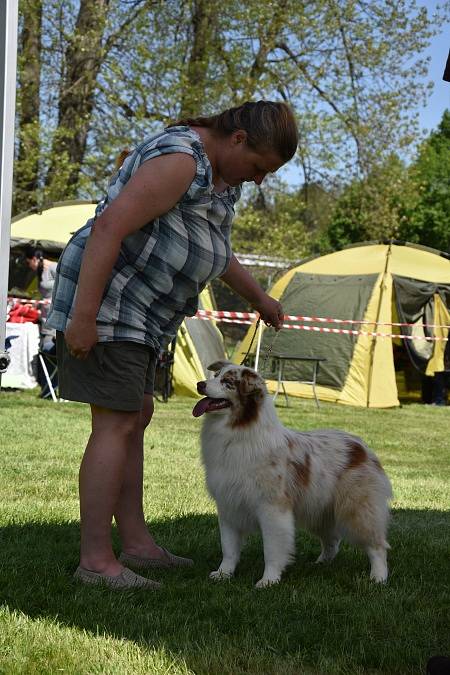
(81, 336)
(270, 311)
(241, 281)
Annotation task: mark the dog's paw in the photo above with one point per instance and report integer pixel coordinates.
(380, 577)
(265, 583)
(220, 575)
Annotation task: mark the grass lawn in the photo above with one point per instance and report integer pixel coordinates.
(321, 620)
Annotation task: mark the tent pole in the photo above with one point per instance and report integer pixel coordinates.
(258, 344)
(374, 341)
(8, 60)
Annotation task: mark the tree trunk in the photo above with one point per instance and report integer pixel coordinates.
(204, 17)
(27, 165)
(83, 59)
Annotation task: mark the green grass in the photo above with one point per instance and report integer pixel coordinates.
(325, 620)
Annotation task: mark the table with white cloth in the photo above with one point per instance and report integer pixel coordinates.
(23, 352)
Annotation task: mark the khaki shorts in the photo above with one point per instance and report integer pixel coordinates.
(114, 375)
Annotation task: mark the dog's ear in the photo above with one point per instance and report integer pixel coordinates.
(218, 365)
(251, 384)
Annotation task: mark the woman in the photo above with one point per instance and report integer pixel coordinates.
(125, 283)
(46, 273)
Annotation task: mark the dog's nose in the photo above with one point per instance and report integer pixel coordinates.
(201, 387)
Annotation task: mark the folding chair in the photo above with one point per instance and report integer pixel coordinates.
(50, 373)
(164, 369)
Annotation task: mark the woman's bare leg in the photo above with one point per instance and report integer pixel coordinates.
(101, 478)
(129, 513)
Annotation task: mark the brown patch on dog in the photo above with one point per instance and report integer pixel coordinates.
(356, 456)
(302, 471)
(249, 396)
(247, 385)
(230, 377)
(247, 414)
(290, 442)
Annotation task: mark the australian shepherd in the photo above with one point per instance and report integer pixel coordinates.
(263, 475)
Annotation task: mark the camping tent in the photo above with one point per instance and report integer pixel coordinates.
(52, 227)
(373, 284)
(198, 343)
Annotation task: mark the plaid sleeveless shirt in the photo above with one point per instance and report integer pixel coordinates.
(162, 267)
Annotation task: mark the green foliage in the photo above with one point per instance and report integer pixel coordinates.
(399, 202)
(429, 221)
(373, 208)
(274, 229)
(111, 71)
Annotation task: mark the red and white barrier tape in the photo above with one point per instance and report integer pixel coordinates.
(248, 318)
(317, 319)
(224, 317)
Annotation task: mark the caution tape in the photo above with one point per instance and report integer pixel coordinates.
(248, 318)
(226, 317)
(216, 314)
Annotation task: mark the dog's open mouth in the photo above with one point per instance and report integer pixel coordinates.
(209, 404)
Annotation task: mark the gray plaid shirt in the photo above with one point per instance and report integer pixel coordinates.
(161, 268)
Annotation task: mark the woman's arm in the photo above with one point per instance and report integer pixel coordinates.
(153, 190)
(241, 281)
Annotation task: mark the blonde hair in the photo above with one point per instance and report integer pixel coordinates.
(269, 125)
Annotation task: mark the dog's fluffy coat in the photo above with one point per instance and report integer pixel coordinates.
(264, 475)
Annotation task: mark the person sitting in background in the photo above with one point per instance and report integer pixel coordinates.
(46, 274)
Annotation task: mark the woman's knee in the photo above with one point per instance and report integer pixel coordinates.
(118, 422)
(147, 411)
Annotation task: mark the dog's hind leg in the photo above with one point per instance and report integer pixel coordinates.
(278, 533)
(362, 510)
(231, 540)
(330, 546)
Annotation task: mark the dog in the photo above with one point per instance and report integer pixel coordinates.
(264, 475)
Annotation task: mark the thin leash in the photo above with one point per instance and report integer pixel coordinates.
(268, 348)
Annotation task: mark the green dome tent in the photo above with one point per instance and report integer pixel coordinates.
(198, 344)
(375, 283)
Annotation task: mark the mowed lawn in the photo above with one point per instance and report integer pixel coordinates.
(320, 620)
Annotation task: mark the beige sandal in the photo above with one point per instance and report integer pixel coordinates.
(124, 581)
(169, 560)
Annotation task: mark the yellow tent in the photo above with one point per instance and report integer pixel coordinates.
(372, 284)
(198, 343)
(52, 227)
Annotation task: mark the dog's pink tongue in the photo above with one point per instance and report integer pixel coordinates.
(201, 406)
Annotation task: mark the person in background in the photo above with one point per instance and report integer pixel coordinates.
(440, 382)
(126, 281)
(46, 273)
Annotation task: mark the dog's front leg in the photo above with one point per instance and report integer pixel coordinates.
(278, 533)
(231, 540)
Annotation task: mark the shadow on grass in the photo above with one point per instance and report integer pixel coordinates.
(318, 615)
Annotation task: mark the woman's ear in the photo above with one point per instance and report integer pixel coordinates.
(239, 137)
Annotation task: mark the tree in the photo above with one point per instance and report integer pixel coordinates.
(376, 207)
(395, 201)
(429, 221)
(111, 69)
(28, 146)
(271, 223)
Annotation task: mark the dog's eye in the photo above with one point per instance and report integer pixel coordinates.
(228, 384)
